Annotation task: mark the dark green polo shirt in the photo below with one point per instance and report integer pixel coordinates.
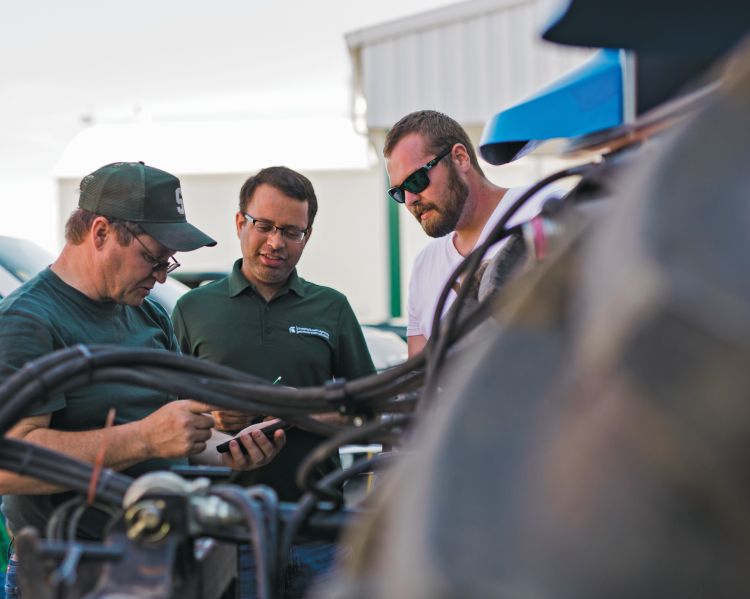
(307, 334)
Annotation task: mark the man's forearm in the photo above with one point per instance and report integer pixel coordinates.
(177, 429)
(415, 344)
(123, 444)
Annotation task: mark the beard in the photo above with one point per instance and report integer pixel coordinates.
(446, 217)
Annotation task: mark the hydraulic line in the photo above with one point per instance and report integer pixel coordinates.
(256, 523)
(34, 460)
(57, 372)
(440, 338)
(309, 501)
(268, 500)
(306, 469)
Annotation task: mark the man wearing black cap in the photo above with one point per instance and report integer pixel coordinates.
(119, 243)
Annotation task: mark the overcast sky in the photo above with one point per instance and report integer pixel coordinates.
(65, 64)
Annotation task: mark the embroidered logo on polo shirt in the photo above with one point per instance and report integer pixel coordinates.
(308, 331)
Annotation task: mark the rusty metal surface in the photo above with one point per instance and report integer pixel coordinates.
(38, 565)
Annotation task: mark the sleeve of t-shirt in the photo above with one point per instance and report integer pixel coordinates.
(160, 314)
(351, 358)
(173, 343)
(414, 304)
(24, 338)
(412, 324)
(180, 331)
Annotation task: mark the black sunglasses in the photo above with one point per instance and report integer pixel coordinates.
(417, 181)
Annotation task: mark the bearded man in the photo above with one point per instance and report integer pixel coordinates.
(434, 171)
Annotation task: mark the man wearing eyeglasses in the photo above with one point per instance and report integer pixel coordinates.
(120, 242)
(435, 173)
(264, 319)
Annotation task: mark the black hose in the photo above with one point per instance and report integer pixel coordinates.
(269, 501)
(440, 338)
(309, 501)
(258, 536)
(51, 374)
(306, 469)
(60, 469)
(55, 528)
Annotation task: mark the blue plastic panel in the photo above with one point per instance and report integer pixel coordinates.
(586, 100)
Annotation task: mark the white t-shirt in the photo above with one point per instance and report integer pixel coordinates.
(434, 264)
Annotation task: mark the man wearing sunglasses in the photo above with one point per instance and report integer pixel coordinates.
(434, 171)
(120, 242)
(264, 319)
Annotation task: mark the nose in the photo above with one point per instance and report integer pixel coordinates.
(410, 198)
(275, 239)
(160, 274)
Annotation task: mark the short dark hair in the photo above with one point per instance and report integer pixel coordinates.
(80, 221)
(439, 131)
(287, 181)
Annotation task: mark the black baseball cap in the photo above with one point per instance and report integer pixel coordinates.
(145, 195)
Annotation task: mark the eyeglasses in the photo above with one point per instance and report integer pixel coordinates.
(266, 228)
(168, 265)
(417, 181)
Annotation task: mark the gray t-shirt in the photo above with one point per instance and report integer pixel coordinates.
(45, 314)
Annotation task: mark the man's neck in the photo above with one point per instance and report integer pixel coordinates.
(265, 290)
(484, 196)
(76, 269)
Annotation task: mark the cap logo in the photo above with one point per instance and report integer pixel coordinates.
(178, 199)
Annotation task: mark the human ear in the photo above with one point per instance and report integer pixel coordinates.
(460, 157)
(239, 221)
(100, 229)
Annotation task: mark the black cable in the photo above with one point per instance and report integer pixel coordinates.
(45, 464)
(56, 524)
(306, 469)
(285, 402)
(70, 368)
(440, 339)
(19, 378)
(309, 501)
(79, 511)
(269, 501)
(22, 389)
(75, 369)
(258, 536)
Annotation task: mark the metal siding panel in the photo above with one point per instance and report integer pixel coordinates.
(526, 70)
(482, 38)
(376, 59)
(414, 73)
(502, 76)
(470, 68)
(431, 55)
(453, 79)
(482, 58)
